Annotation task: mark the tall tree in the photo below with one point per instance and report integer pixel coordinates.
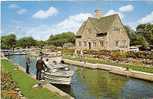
(146, 30)
(137, 37)
(8, 41)
(132, 35)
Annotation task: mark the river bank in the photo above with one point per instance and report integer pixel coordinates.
(25, 83)
(113, 69)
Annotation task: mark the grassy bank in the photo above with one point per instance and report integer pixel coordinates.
(25, 83)
(100, 61)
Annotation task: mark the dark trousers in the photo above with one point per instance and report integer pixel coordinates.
(38, 74)
(27, 68)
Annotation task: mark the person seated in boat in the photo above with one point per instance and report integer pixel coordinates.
(54, 66)
(41, 54)
(62, 62)
(40, 65)
(47, 64)
(54, 62)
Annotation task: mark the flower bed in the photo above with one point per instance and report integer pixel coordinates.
(138, 58)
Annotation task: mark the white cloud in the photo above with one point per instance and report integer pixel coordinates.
(72, 23)
(126, 8)
(147, 19)
(111, 12)
(21, 11)
(41, 14)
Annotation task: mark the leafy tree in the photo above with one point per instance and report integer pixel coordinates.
(136, 38)
(140, 40)
(146, 30)
(8, 41)
(26, 42)
(132, 35)
(60, 39)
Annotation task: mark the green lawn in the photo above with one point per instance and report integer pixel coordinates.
(25, 83)
(130, 66)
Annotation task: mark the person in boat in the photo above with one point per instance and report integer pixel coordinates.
(54, 62)
(27, 64)
(41, 54)
(40, 65)
(47, 63)
(62, 62)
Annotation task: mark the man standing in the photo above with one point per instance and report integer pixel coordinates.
(40, 65)
(27, 64)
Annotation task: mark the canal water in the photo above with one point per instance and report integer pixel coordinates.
(99, 84)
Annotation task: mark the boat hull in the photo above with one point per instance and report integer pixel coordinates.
(58, 77)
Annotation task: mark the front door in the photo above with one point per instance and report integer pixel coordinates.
(89, 45)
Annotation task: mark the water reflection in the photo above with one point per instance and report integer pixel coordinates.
(99, 84)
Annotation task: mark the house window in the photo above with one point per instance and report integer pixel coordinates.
(78, 36)
(117, 43)
(79, 43)
(85, 43)
(94, 44)
(101, 34)
(101, 43)
(124, 43)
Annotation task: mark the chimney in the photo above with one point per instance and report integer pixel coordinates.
(98, 13)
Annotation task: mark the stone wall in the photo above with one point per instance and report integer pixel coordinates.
(113, 69)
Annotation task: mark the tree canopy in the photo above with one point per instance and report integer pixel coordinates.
(8, 41)
(26, 42)
(146, 30)
(60, 39)
(142, 36)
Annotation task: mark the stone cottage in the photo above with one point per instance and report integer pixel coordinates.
(102, 33)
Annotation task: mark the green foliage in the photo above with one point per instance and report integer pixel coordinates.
(60, 39)
(139, 40)
(142, 36)
(146, 30)
(8, 41)
(26, 42)
(131, 33)
(41, 44)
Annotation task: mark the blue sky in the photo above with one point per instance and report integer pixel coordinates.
(40, 19)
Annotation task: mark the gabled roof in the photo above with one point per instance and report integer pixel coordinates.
(101, 25)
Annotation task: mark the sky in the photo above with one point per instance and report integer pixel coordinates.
(40, 19)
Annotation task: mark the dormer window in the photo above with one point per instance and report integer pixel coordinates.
(78, 36)
(101, 34)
